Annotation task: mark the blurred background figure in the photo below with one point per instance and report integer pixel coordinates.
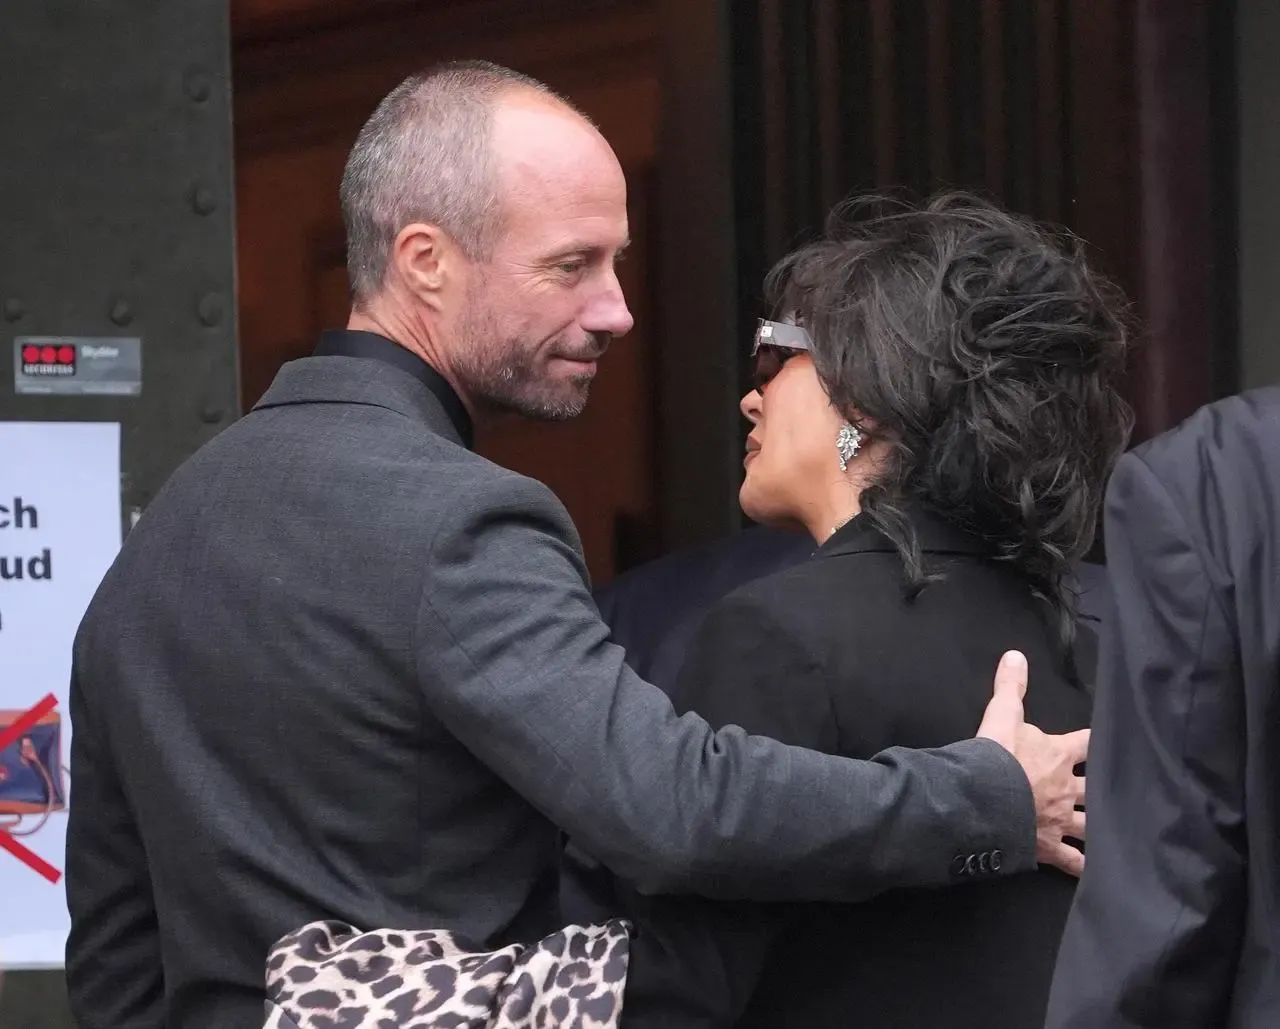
(652, 610)
(1175, 921)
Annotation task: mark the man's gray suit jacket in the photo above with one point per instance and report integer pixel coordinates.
(345, 668)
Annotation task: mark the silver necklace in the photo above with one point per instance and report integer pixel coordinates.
(840, 525)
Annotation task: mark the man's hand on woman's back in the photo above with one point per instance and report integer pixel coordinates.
(1049, 762)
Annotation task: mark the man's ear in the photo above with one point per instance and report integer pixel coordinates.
(426, 261)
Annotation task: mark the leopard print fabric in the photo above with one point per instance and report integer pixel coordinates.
(329, 975)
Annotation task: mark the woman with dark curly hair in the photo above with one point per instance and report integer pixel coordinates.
(937, 407)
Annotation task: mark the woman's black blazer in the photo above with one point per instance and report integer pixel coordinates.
(831, 655)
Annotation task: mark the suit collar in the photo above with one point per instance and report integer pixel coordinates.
(372, 346)
(337, 379)
(936, 536)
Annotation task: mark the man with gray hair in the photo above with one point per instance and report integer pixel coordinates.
(344, 668)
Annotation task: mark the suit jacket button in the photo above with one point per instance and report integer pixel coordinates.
(957, 865)
(997, 859)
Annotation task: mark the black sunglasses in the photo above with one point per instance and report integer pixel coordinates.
(775, 344)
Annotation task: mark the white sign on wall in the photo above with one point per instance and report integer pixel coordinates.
(59, 533)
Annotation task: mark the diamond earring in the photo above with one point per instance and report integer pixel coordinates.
(848, 443)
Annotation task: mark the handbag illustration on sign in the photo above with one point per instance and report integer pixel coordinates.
(32, 783)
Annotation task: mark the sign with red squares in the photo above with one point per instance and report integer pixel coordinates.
(48, 359)
(78, 365)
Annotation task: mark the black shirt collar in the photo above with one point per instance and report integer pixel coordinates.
(374, 347)
(936, 535)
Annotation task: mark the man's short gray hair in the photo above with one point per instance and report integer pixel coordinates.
(425, 155)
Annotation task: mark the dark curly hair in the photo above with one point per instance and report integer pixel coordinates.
(986, 353)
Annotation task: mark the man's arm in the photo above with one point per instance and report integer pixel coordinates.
(516, 662)
(695, 962)
(1154, 933)
(114, 971)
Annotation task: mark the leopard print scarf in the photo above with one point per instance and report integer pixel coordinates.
(329, 975)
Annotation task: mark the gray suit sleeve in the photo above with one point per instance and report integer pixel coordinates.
(114, 968)
(514, 659)
(1153, 936)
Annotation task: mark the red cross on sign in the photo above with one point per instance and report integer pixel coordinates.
(9, 736)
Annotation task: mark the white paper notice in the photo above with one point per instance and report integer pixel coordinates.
(59, 533)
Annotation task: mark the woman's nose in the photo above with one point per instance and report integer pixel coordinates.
(750, 406)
